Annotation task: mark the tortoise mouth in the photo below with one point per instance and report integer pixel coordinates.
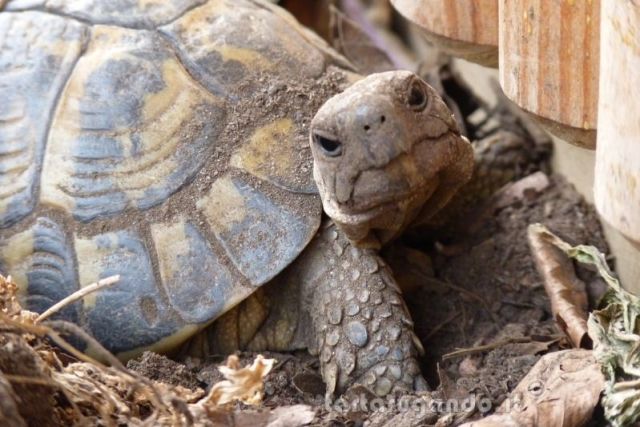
(380, 201)
(384, 202)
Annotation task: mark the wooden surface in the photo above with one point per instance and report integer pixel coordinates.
(549, 61)
(617, 175)
(464, 28)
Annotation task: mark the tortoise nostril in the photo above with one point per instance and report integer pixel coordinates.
(367, 127)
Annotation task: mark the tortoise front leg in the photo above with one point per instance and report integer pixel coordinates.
(363, 331)
(342, 303)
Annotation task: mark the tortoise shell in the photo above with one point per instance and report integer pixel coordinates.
(164, 141)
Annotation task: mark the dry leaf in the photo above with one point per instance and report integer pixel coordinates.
(615, 332)
(291, 416)
(9, 302)
(241, 384)
(29, 377)
(9, 414)
(566, 292)
(562, 389)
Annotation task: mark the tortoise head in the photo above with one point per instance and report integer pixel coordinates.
(387, 151)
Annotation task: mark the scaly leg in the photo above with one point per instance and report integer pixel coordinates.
(362, 330)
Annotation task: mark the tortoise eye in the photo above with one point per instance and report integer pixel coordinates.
(329, 147)
(417, 99)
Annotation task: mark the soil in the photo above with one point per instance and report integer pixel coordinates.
(484, 289)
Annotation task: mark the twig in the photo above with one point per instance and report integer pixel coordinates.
(104, 354)
(627, 385)
(518, 304)
(463, 323)
(494, 345)
(77, 295)
(486, 347)
(23, 379)
(73, 329)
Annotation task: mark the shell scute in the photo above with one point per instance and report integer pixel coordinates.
(42, 264)
(197, 283)
(260, 235)
(34, 65)
(132, 128)
(127, 13)
(132, 313)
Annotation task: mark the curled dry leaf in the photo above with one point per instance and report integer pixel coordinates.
(562, 389)
(566, 292)
(9, 304)
(241, 384)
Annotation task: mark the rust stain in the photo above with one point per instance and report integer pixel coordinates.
(633, 184)
(627, 35)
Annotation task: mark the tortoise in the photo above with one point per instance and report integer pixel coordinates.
(174, 143)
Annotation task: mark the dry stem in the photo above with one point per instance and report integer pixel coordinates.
(80, 293)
